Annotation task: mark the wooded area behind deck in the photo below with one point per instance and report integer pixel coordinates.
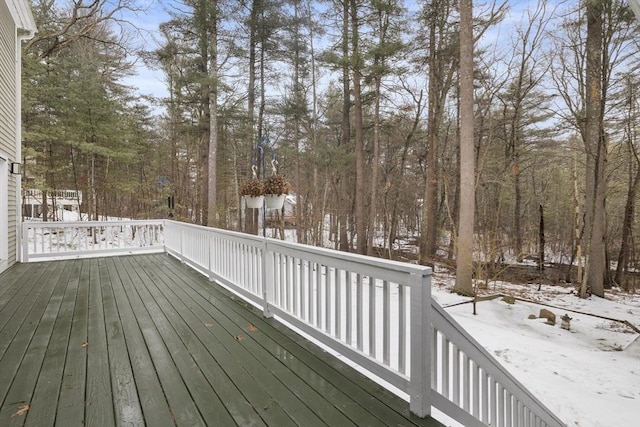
(361, 102)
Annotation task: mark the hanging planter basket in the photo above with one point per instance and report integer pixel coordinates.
(253, 190)
(274, 201)
(276, 188)
(253, 202)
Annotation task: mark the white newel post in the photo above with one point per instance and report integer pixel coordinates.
(182, 231)
(212, 251)
(267, 280)
(25, 242)
(420, 358)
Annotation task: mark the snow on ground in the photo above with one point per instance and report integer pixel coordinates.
(589, 376)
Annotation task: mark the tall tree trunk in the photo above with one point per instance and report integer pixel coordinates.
(251, 219)
(213, 113)
(541, 241)
(517, 206)
(429, 228)
(373, 203)
(343, 198)
(301, 232)
(634, 183)
(201, 16)
(360, 216)
(94, 190)
(596, 153)
(627, 228)
(576, 253)
(317, 219)
(464, 253)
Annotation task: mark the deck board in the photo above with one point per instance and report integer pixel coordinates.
(71, 401)
(47, 390)
(145, 340)
(15, 361)
(154, 405)
(126, 405)
(232, 336)
(181, 406)
(355, 394)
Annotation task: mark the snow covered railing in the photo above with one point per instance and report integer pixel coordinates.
(58, 239)
(377, 313)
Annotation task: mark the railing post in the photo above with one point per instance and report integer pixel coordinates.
(420, 382)
(212, 251)
(267, 280)
(25, 242)
(182, 257)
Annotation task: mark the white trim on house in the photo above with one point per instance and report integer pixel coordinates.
(22, 16)
(21, 26)
(4, 213)
(19, 39)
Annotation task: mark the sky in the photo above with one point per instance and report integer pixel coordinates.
(147, 81)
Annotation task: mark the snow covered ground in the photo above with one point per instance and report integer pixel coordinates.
(589, 375)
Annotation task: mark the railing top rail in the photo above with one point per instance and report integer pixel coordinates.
(70, 224)
(354, 258)
(219, 231)
(51, 192)
(328, 253)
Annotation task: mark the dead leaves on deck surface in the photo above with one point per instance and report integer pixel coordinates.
(84, 344)
(250, 328)
(23, 410)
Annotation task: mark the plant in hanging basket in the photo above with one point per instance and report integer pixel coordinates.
(252, 187)
(276, 184)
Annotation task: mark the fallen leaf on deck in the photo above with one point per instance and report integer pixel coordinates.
(85, 344)
(208, 325)
(23, 410)
(251, 328)
(239, 337)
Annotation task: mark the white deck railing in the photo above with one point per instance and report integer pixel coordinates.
(377, 313)
(63, 197)
(57, 239)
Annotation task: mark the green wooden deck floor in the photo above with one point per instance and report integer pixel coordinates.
(145, 340)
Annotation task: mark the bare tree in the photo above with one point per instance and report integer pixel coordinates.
(464, 250)
(442, 66)
(356, 65)
(211, 10)
(57, 32)
(596, 152)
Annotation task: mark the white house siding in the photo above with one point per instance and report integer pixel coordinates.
(8, 113)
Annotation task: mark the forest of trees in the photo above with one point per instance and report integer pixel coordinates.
(365, 105)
